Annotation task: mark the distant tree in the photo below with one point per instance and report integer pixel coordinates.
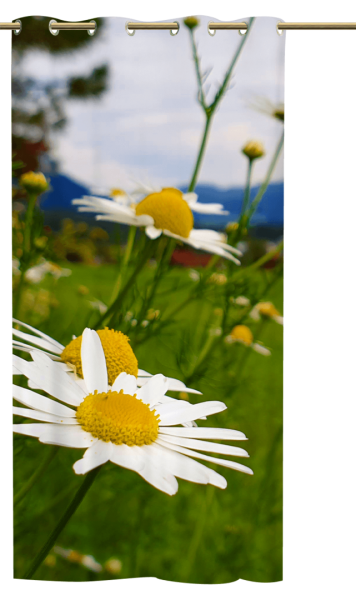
(38, 107)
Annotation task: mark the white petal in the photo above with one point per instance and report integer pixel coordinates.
(70, 436)
(217, 461)
(190, 197)
(37, 415)
(67, 435)
(204, 446)
(42, 335)
(48, 375)
(219, 250)
(27, 348)
(208, 235)
(128, 457)
(208, 209)
(152, 232)
(125, 382)
(255, 314)
(191, 470)
(156, 476)
(208, 433)
(278, 319)
(142, 373)
(212, 247)
(98, 454)
(93, 362)
(154, 390)
(44, 344)
(41, 403)
(172, 414)
(261, 349)
(177, 464)
(174, 385)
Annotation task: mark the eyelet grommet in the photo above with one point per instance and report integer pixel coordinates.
(243, 31)
(174, 32)
(129, 31)
(53, 31)
(211, 32)
(279, 31)
(18, 31)
(92, 31)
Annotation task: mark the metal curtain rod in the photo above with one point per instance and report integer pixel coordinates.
(174, 26)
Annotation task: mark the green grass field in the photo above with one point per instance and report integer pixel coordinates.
(203, 534)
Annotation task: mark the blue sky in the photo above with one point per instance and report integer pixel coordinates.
(148, 124)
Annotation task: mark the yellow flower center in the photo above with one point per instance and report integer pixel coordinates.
(118, 418)
(241, 333)
(267, 309)
(119, 355)
(169, 211)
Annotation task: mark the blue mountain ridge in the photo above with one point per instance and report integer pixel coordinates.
(269, 214)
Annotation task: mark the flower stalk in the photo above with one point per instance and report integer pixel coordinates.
(78, 498)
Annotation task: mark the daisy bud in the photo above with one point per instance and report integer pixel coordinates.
(253, 150)
(34, 183)
(232, 226)
(243, 334)
(240, 301)
(267, 310)
(191, 22)
(217, 278)
(113, 566)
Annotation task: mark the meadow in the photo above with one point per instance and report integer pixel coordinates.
(203, 534)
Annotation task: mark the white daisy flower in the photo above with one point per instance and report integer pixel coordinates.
(241, 301)
(38, 272)
(167, 212)
(242, 334)
(117, 350)
(266, 310)
(136, 428)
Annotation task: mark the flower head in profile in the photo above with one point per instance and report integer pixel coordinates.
(36, 273)
(264, 105)
(34, 183)
(169, 212)
(136, 428)
(242, 334)
(119, 356)
(266, 310)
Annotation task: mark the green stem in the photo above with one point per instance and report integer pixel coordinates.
(28, 225)
(201, 96)
(228, 74)
(210, 110)
(121, 295)
(246, 200)
(264, 185)
(163, 264)
(36, 476)
(79, 496)
(125, 261)
(200, 154)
